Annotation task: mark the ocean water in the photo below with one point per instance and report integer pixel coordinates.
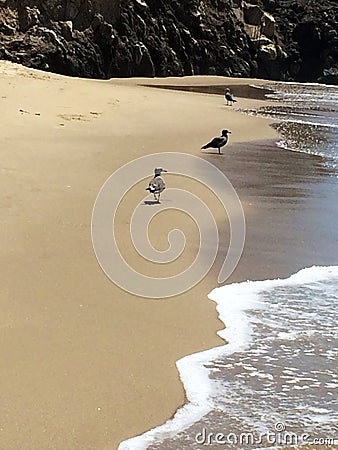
(307, 118)
(275, 382)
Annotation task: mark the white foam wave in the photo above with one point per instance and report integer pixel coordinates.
(310, 122)
(291, 117)
(320, 86)
(291, 146)
(232, 302)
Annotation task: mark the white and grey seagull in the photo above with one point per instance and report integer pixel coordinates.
(157, 184)
(218, 142)
(229, 97)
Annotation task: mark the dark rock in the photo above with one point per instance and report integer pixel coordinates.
(292, 40)
(6, 55)
(28, 17)
(66, 29)
(6, 29)
(329, 76)
(253, 14)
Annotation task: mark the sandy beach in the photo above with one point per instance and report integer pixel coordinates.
(86, 365)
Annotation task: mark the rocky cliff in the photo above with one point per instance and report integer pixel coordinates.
(285, 40)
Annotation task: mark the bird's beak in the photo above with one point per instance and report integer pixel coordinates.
(163, 170)
(229, 132)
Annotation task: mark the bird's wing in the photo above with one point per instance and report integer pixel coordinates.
(157, 185)
(151, 186)
(160, 184)
(216, 142)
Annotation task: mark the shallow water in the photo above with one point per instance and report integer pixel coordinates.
(308, 119)
(239, 90)
(276, 380)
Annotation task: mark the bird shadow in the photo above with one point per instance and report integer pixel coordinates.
(151, 202)
(212, 153)
(154, 202)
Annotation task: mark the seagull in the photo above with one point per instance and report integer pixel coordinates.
(157, 184)
(218, 142)
(229, 97)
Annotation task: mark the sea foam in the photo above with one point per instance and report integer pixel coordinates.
(202, 377)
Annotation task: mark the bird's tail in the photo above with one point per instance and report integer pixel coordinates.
(204, 147)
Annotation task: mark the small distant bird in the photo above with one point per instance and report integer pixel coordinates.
(218, 142)
(229, 97)
(157, 184)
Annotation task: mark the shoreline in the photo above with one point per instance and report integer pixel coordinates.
(66, 326)
(197, 369)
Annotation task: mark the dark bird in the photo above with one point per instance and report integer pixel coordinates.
(229, 97)
(218, 142)
(157, 184)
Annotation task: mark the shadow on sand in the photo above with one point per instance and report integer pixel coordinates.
(212, 153)
(151, 202)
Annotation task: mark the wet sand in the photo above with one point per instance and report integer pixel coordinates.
(85, 364)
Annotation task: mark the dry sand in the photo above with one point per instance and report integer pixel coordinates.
(84, 364)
